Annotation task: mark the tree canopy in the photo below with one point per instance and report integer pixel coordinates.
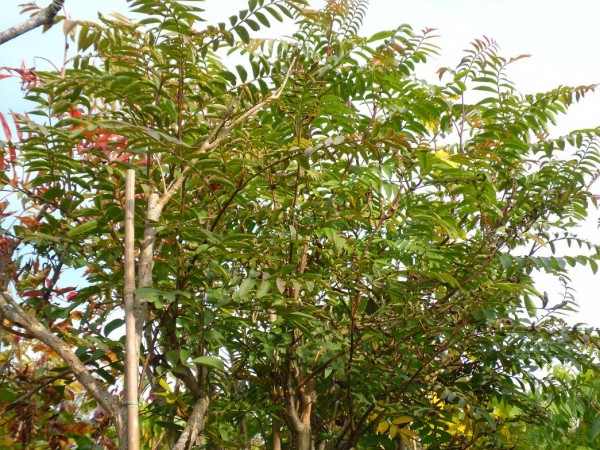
(332, 252)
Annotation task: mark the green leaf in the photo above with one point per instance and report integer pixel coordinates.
(263, 289)
(7, 396)
(113, 325)
(595, 430)
(530, 306)
(252, 24)
(150, 295)
(381, 35)
(210, 361)
(274, 13)
(245, 288)
(242, 33)
(262, 19)
(281, 285)
(241, 70)
(593, 265)
(83, 228)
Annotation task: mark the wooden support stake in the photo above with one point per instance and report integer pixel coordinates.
(131, 340)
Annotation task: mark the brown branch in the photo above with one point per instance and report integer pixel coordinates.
(188, 378)
(45, 16)
(15, 332)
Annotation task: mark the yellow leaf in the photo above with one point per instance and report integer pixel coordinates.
(402, 420)
(454, 427)
(383, 427)
(407, 435)
(163, 383)
(444, 156)
(394, 431)
(304, 143)
(537, 239)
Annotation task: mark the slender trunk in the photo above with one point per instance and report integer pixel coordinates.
(132, 339)
(122, 433)
(146, 262)
(276, 433)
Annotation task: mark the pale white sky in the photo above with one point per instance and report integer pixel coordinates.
(563, 39)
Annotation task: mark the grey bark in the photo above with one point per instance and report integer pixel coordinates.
(43, 17)
(194, 426)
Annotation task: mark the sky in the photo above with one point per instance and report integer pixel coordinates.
(562, 39)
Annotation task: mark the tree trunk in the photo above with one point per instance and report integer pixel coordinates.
(298, 409)
(275, 434)
(302, 438)
(194, 426)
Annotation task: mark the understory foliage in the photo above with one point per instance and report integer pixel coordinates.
(333, 253)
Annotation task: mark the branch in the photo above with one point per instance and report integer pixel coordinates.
(11, 310)
(195, 425)
(43, 17)
(35, 390)
(15, 332)
(223, 131)
(290, 401)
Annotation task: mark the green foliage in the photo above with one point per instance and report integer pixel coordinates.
(344, 251)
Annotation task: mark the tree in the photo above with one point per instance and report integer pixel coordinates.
(333, 253)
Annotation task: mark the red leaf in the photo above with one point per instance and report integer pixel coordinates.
(17, 126)
(65, 289)
(6, 127)
(75, 112)
(32, 293)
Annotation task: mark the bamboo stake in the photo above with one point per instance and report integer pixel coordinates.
(131, 340)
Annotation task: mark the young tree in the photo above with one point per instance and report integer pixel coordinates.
(333, 253)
